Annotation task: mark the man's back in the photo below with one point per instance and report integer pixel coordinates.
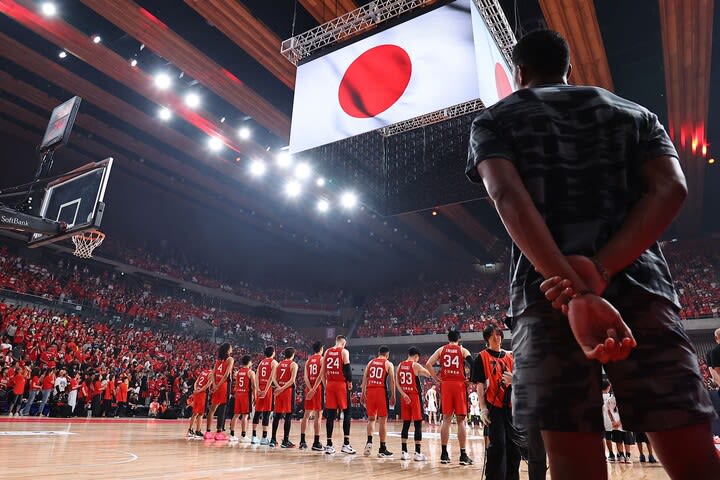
(579, 151)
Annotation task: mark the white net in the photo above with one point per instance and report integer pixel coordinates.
(86, 242)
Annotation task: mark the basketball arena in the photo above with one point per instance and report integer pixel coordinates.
(359, 239)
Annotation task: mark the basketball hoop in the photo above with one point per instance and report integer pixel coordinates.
(85, 242)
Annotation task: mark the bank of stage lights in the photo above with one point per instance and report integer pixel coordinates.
(48, 9)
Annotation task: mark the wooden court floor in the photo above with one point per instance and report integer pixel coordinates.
(158, 450)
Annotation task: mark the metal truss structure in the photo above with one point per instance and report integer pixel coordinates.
(431, 118)
(364, 18)
(359, 20)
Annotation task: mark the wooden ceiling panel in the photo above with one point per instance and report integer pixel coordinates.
(326, 10)
(237, 23)
(148, 29)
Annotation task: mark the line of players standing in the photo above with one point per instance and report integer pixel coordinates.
(270, 389)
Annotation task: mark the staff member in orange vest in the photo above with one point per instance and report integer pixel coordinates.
(492, 373)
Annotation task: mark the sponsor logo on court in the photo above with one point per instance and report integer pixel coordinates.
(45, 433)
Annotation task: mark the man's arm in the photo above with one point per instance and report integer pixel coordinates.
(523, 222)
(363, 386)
(422, 371)
(391, 375)
(664, 195)
(715, 374)
(430, 365)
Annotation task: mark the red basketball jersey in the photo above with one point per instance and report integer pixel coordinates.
(220, 367)
(407, 380)
(264, 370)
(452, 363)
(334, 364)
(312, 367)
(377, 373)
(203, 379)
(284, 372)
(242, 380)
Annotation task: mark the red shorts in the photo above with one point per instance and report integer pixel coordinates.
(376, 402)
(220, 396)
(199, 400)
(411, 411)
(453, 396)
(242, 403)
(336, 396)
(264, 404)
(314, 404)
(284, 402)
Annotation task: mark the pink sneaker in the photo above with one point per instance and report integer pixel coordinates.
(209, 436)
(220, 437)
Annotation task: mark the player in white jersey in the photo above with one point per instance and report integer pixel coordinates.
(474, 418)
(432, 406)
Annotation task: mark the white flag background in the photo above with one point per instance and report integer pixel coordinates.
(494, 76)
(420, 66)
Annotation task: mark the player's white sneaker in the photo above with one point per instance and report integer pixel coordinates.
(348, 449)
(368, 449)
(265, 441)
(233, 439)
(329, 449)
(404, 456)
(254, 440)
(419, 457)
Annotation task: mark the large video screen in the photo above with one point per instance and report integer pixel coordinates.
(420, 66)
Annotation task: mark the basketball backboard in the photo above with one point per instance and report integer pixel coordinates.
(76, 200)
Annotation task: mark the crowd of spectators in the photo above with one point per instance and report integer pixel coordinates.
(482, 299)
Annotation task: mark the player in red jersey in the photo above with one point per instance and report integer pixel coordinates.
(264, 394)
(284, 379)
(219, 389)
(411, 406)
(198, 406)
(313, 396)
(243, 383)
(453, 393)
(375, 398)
(337, 376)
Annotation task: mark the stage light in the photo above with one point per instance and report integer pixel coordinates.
(348, 200)
(302, 171)
(215, 144)
(434, 213)
(165, 114)
(96, 39)
(323, 205)
(244, 133)
(163, 81)
(292, 189)
(711, 161)
(133, 62)
(192, 100)
(48, 9)
(704, 149)
(320, 182)
(283, 159)
(257, 168)
(62, 54)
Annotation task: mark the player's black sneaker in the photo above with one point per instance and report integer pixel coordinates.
(303, 446)
(465, 460)
(287, 444)
(318, 447)
(444, 458)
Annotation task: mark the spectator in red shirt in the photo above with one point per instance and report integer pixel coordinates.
(47, 381)
(19, 381)
(35, 387)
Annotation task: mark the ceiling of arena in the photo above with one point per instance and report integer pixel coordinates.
(169, 185)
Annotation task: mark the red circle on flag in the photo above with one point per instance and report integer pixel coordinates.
(374, 81)
(502, 83)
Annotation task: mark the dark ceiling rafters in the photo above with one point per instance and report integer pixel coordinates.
(116, 67)
(687, 49)
(40, 65)
(577, 21)
(326, 10)
(158, 37)
(470, 225)
(449, 246)
(237, 22)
